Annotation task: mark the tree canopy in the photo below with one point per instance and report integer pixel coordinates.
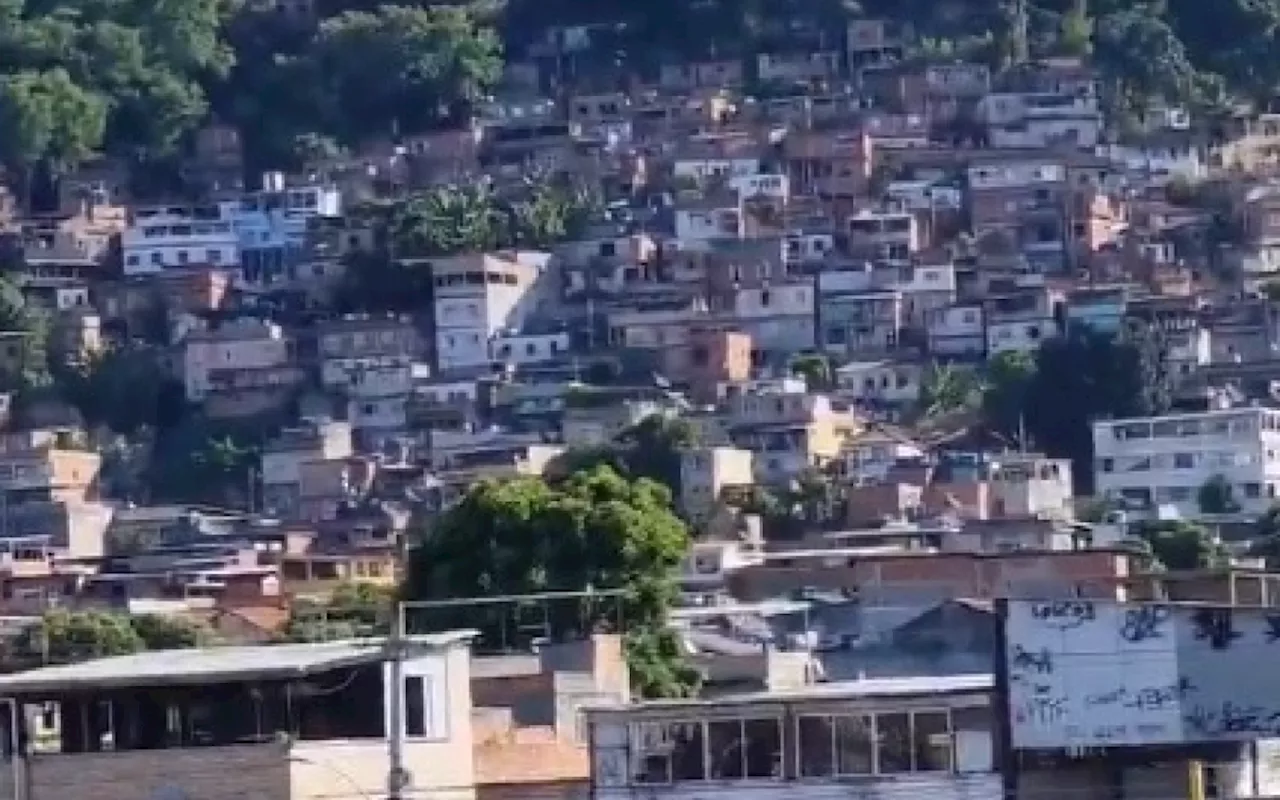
(63, 637)
(593, 530)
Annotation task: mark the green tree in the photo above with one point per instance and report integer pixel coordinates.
(814, 368)
(161, 632)
(1086, 375)
(1009, 378)
(1181, 545)
(594, 529)
(352, 610)
(64, 637)
(1142, 59)
(48, 120)
(1076, 36)
(1265, 542)
(948, 388)
(403, 68)
(1217, 497)
(31, 327)
(126, 388)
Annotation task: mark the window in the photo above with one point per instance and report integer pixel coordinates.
(875, 744)
(133, 261)
(1184, 461)
(415, 702)
(213, 256)
(728, 749)
(183, 257)
(893, 734)
(854, 746)
(1107, 464)
(1253, 490)
(157, 258)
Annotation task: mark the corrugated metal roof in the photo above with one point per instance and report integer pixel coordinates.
(212, 664)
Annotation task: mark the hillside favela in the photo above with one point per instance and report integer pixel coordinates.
(639, 399)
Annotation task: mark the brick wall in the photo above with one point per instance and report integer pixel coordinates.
(242, 772)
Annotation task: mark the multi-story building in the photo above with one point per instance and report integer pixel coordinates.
(283, 459)
(1164, 461)
(890, 236)
(1020, 320)
(478, 297)
(1041, 119)
(1025, 202)
(706, 471)
(790, 432)
(829, 163)
(957, 331)
(272, 224)
(176, 237)
(243, 345)
(263, 233)
(708, 359)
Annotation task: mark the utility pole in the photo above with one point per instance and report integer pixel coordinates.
(398, 778)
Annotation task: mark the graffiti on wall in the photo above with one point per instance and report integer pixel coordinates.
(1086, 673)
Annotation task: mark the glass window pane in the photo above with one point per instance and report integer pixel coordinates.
(687, 756)
(854, 746)
(725, 749)
(817, 759)
(415, 713)
(764, 748)
(932, 735)
(894, 737)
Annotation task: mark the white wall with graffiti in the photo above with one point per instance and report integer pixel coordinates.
(1084, 673)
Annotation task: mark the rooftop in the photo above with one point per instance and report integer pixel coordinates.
(213, 665)
(865, 688)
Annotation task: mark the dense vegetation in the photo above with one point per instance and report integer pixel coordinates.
(135, 79)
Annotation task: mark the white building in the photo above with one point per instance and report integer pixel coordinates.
(1164, 461)
(176, 237)
(478, 297)
(528, 348)
(262, 232)
(1041, 119)
(957, 330)
(892, 382)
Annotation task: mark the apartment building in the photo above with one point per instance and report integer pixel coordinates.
(177, 237)
(1020, 321)
(479, 296)
(213, 357)
(707, 360)
(1164, 461)
(886, 236)
(705, 472)
(1041, 119)
(790, 432)
(284, 457)
(1024, 202)
(830, 163)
